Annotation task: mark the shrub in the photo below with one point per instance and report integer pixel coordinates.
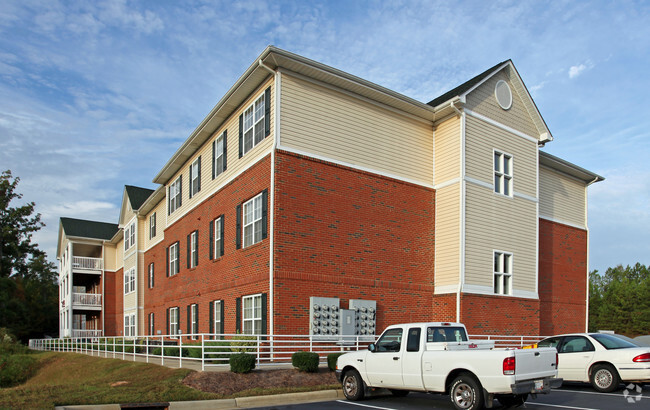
(331, 360)
(242, 363)
(10, 345)
(305, 361)
(241, 343)
(16, 369)
(217, 351)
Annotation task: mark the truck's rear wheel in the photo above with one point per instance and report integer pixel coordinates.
(465, 393)
(352, 385)
(512, 400)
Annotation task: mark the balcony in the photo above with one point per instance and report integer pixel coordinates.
(84, 263)
(86, 300)
(86, 333)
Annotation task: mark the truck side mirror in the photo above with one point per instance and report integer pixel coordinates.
(372, 347)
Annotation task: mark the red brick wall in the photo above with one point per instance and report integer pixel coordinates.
(113, 303)
(444, 308)
(239, 272)
(562, 278)
(499, 315)
(349, 234)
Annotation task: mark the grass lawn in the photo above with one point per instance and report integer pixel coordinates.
(70, 378)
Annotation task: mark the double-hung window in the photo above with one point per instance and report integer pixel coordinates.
(193, 249)
(195, 177)
(129, 325)
(216, 238)
(173, 321)
(193, 320)
(219, 155)
(502, 173)
(502, 273)
(253, 221)
(151, 324)
(252, 320)
(129, 281)
(172, 258)
(152, 226)
(216, 317)
(175, 194)
(129, 236)
(255, 123)
(151, 276)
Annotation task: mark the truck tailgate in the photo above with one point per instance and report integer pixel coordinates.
(535, 363)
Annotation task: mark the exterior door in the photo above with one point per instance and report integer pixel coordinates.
(384, 365)
(412, 360)
(575, 355)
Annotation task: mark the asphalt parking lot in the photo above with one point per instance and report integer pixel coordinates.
(570, 396)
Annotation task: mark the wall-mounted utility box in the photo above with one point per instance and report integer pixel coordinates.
(324, 316)
(366, 316)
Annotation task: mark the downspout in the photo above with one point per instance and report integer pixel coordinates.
(272, 201)
(587, 226)
(461, 279)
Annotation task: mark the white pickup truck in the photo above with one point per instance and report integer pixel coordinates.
(438, 358)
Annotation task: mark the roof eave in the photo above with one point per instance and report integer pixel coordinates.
(569, 168)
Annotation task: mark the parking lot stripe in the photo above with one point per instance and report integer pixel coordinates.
(563, 407)
(598, 393)
(364, 405)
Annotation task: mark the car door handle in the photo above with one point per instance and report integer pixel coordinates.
(395, 358)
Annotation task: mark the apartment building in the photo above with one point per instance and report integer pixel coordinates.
(308, 195)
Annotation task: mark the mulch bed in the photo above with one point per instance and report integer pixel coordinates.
(228, 383)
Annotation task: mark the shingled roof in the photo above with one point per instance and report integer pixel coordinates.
(88, 229)
(137, 195)
(464, 87)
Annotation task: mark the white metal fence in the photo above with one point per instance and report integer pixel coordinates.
(214, 350)
(81, 262)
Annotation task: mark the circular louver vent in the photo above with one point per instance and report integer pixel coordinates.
(503, 94)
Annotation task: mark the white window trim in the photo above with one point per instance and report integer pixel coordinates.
(173, 325)
(195, 177)
(173, 260)
(194, 320)
(253, 224)
(174, 194)
(217, 238)
(152, 226)
(194, 250)
(151, 324)
(129, 281)
(151, 274)
(498, 277)
(255, 122)
(252, 320)
(218, 170)
(129, 325)
(504, 178)
(216, 316)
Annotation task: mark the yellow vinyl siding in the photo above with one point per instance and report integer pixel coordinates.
(160, 210)
(447, 244)
(447, 150)
(109, 257)
(483, 101)
(323, 122)
(482, 138)
(141, 233)
(119, 254)
(495, 222)
(235, 164)
(561, 198)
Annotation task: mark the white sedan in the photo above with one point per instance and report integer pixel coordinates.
(600, 359)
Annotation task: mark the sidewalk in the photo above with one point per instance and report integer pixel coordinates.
(239, 403)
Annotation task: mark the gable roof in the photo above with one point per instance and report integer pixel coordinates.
(88, 229)
(137, 195)
(464, 87)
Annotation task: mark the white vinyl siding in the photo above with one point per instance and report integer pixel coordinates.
(447, 241)
(562, 198)
(330, 124)
(447, 152)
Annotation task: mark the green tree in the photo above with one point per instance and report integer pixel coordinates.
(28, 281)
(619, 300)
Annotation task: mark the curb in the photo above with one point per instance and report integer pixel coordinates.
(238, 403)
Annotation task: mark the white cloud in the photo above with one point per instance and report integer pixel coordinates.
(576, 70)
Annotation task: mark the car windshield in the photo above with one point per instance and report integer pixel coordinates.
(611, 342)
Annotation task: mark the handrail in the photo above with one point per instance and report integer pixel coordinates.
(87, 299)
(82, 262)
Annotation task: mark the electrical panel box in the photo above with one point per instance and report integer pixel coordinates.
(366, 316)
(324, 316)
(348, 324)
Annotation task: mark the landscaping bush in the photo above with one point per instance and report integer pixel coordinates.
(242, 363)
(10, 345)
(241, 343)
(16, 369)
(331, 360)
(217, 351)
(305, 361)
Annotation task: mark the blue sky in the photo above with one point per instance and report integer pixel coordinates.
(96, 95)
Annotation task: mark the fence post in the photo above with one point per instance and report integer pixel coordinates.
(162, 351)
(123, 347)
(202, 352)
(180, 351)
(146, 343)
(258, 350)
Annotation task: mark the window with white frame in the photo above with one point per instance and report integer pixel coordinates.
(194, 249)
(219, 155)
(217, 314)
(129, 325)
(129, 281)
(195, 177)
(151, 324)
(252, 221)
(502, 273)
(129, 236)
(194, 320)
(252, 319)
(151, 275)
(152, 226)
(502, 173)
(175, 192)
(173, 321)
(254, 124)
(174, 267)
(218, 237)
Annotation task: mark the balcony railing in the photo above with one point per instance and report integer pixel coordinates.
(81, 262)
(86, 333)
(87, 299)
